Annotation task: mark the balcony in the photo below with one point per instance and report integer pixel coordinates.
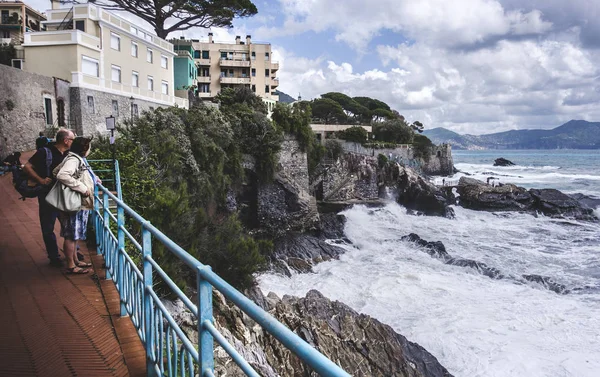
(274, 66)
(184, 54)
(202, 61)
(234, 63)
(5, 41)
(274, 82)
(234, 80)
(204, 95)
(203, 79)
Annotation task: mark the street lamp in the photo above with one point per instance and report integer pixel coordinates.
(110, 126)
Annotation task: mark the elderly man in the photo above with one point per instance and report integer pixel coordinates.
(37, 169)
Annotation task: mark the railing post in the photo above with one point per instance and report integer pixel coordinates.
(105, 249)
(121, 257)
(95, 218)
(205, 313)
(118, 180)
(147, 272)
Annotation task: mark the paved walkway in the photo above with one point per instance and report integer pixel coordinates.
(53, 324)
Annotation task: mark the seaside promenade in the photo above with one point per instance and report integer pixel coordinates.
(51, 323)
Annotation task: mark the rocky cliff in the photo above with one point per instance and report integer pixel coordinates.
(358, 343)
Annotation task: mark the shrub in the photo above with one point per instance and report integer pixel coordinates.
(333, 149)
(355, 134)
(393, 131)
(382, 160)
(422, 147)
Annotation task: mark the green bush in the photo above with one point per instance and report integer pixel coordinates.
(382, 160)
(355, 134)
(380, 145)
(393, 131)
(422, 147)
(333, 149)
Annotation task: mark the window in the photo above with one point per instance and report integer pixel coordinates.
(115, 41)
(205, 54)
(253, 88)
(230, 73)
(150, 84)
(134, 49)
(164, 62)
(204, 88)
(266, 56)
(135, 110)
(223, 55)
(196, 54)
(266, 73)
(164, 87)
(223, 73)
(115, 73)
(115, 108)
(80, 25)
(48, 110)
(90, 66)
(149, 57)
(244, 72)
(135, 79)
(253, 72)
(253, 55)
(266, 89)
(90, 101)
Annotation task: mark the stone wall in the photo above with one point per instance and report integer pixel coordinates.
(352, 176)
(286, 204)
(22, 110)
(440, 162)
(90, 108)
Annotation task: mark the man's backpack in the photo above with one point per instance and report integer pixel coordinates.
(23, 184)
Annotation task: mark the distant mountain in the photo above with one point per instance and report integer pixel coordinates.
(285, 98)
(575, 134)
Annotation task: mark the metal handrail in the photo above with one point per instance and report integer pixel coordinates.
(168, 350)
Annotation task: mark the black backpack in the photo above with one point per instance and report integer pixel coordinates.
(20, 179)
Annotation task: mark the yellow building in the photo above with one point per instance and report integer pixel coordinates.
(242, 63)
(114, 67)
(17, 18)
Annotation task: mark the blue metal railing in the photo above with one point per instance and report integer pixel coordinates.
(169, 352)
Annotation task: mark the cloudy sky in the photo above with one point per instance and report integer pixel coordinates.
(473, 66)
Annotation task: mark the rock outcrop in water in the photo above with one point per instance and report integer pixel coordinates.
(360, 344)
(438, 250)
(478, 195)
(503, 162)
(416, 193)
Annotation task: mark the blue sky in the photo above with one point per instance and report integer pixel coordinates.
(473, 66)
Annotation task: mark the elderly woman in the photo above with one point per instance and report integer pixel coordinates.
(74, 173)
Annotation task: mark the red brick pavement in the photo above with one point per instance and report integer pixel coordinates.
(53, 324)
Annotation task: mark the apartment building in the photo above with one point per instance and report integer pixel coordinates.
(113, 66)
(17, 18)
(241, 63)
(185, 68)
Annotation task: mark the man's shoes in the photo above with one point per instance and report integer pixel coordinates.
(56, 263)
(79, 256)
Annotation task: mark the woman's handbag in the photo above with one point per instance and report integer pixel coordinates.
(63, 198)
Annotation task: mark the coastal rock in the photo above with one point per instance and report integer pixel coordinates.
(416, 193)
(475, 194)
(586, 201)
(554, 203)
(299, 252)
(503, 162)
(548, 283)
(360, 344)
(478, 195)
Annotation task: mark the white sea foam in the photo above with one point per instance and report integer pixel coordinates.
(474, 325)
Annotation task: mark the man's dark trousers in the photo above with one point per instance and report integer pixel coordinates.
(48, 215)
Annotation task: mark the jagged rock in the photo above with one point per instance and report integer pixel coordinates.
(360, 344)
(475, 194)
(299, 252)
(586, 201)
(332, 226)
(416, 193)
(478, 195)
(548, 283)
(554, 203)
(503, 162)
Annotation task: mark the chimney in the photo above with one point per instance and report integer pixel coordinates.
(237, 39)
(210, 35)
(55, 4)
(248, 39)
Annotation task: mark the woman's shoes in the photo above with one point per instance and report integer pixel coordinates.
(77, 271)
(83, 264)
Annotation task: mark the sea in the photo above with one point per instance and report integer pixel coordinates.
(473, 324)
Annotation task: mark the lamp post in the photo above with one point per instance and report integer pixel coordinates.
(131, 99)
(110, 126)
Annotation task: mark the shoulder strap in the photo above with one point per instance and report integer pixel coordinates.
(48, 160)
